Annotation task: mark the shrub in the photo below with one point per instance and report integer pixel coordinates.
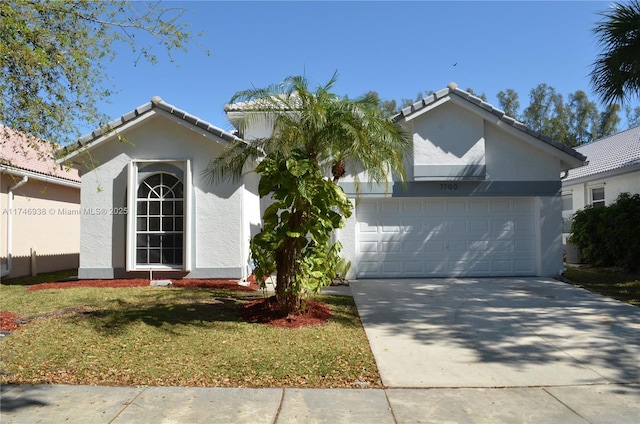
(609, 236)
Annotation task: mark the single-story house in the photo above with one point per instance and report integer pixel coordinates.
(482, 197)
(613, 168)
(39, 208)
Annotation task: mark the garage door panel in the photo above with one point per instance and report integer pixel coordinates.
(500, 206)
(478, 245)
(434, 207)
(445, 237)
(471, 267)
(502, 246)
(456, 206)
(390, 208)
(479, 226)
(524, 266)
(523, 246)
(391, 246)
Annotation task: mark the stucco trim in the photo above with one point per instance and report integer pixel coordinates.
(449, 172)
(234, 273)
(457, 189)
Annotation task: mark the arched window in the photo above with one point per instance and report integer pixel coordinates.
(160, 221)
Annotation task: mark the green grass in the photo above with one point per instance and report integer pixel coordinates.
(42, 278)
(176, 337)
(615, 284)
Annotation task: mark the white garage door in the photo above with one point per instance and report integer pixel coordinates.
(413, 237)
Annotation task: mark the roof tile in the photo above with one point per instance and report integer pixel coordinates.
(156, 102)
(19, 152)
(608, 154)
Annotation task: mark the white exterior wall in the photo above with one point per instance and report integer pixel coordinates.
(218, 249)
(497, 160)
(509, 158)
(613, 187)
(448, 135)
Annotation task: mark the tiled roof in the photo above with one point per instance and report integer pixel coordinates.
(618, 151)
(155, 103)
(452, 89)
(18, 152)
(274, 103)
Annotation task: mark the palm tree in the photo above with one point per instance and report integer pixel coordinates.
(335, 135)
(343, 135)
(616, 72)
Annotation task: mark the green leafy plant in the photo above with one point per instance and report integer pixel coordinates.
(295, 241)
(317, 138)
(609, 236)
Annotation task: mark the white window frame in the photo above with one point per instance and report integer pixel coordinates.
(600, 203)
(134, 169)
(567, 214)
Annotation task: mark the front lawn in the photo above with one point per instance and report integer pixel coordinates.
(176, 337)
(607, 282)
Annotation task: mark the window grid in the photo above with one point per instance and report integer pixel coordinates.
(160, 221)
(597, 197)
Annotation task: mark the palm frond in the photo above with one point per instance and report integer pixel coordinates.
(615, 75)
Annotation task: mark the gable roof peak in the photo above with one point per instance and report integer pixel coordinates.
(99, 135)
(453, 91)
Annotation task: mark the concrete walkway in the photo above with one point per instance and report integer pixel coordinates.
(448, 351)
(95, 405)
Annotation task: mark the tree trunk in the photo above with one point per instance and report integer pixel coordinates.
(288, 296)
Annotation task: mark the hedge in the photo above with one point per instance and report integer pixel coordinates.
(609, 236)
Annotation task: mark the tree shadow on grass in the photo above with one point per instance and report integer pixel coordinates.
(184, 309)
(165, 313)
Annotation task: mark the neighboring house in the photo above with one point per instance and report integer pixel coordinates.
(613, 168)
(39, 209)
(482, 197)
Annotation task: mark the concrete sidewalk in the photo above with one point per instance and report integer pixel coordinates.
(97, 404)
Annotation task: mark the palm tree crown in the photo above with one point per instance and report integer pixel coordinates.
(340, 134)
(616, 71)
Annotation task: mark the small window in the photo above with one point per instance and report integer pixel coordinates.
(597, 197)
(567, 202)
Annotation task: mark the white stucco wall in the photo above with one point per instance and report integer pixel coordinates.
(613, 187)
(518, 166)
(218, 249)
(448, 135)
(511, 159)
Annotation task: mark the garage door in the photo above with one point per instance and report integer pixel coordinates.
(412, 237)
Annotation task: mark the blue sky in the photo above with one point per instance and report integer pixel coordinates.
(395, 48)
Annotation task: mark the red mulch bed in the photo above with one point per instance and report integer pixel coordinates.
(267, 311)
(8, 321)
(264, 311)
(143, 282)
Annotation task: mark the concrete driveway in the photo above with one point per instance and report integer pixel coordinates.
(512, 332)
